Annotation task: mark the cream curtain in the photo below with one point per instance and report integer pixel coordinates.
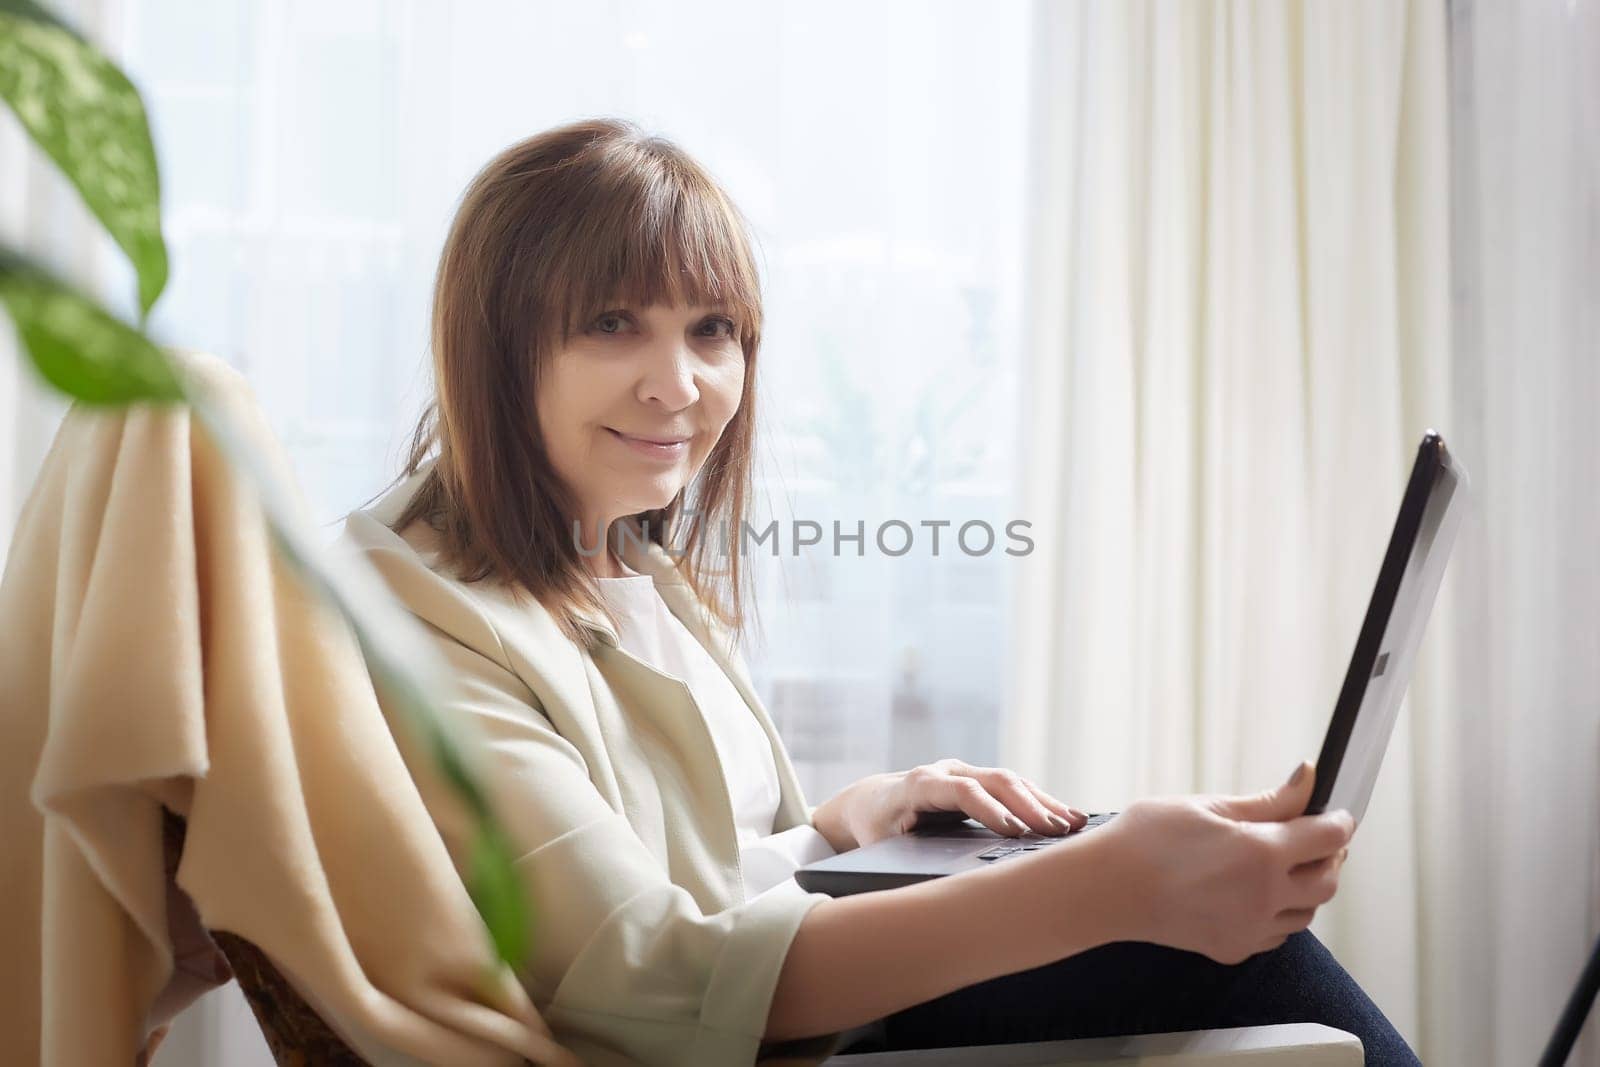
(1525, 179)
(1261, 268)
(1239, 332)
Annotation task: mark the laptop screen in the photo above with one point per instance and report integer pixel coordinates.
(1396, 619)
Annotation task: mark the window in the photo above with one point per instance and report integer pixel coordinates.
(313, 155)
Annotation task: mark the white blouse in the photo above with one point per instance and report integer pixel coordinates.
(647, 630)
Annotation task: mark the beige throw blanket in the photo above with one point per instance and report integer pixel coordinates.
(156, 651)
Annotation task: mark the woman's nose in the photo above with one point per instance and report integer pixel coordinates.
(669, 380)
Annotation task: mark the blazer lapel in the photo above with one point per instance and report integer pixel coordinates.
(650, 558)
(591, 694)
(532, 646)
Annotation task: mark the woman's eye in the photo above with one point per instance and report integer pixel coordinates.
(615, 322)
(610, 322)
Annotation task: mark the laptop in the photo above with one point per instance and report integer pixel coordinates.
(1364, 715)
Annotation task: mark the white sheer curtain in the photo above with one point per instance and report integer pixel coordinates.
(1525, 104)
(314, 154)
(28, 412)
(1250, 218)
(1240, 328)
(41, 215)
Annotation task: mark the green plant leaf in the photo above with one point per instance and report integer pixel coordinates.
(494, 889)
(79, 347)
(88, 117)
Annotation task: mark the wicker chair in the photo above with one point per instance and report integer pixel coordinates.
(295, 1034)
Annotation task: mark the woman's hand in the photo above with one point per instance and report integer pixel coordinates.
(883, 805)
(1225, 876)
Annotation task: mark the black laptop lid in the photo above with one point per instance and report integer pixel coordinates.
(1397, 616)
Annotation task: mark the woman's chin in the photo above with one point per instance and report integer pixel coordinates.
(655, 499)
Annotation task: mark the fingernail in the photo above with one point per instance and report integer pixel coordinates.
(1076, 814)
(1015, 825)
(1299, 773)
(1060, 824)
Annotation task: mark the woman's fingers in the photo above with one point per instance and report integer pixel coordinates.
(1077, 818)
(1014, 796)
(1308, 838)
(1024, 802)
(1305, 870)
(954, 792)
(1314, 884)
(1013, 792)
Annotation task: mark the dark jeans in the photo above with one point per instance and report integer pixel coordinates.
(1135, 988)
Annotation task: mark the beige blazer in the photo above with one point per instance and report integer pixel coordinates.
(644, 947)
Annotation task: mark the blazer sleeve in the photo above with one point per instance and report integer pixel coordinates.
(622, 962)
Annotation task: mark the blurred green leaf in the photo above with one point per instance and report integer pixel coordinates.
(88, 117)
(494, 889)
(77, 346)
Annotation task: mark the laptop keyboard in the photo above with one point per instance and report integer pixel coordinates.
(1030, 842)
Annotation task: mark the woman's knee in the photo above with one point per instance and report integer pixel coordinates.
(1301, 981)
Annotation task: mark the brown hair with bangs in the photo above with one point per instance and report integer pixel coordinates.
(551, 232)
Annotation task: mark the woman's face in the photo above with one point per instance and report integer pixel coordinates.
(632, 405)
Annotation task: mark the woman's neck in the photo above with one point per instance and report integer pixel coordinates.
(609, 564)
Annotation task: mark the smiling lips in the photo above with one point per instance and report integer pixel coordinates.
(653, 447)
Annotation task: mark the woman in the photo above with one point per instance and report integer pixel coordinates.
(596, 324)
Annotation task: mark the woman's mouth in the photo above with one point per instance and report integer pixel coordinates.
(652, 446)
